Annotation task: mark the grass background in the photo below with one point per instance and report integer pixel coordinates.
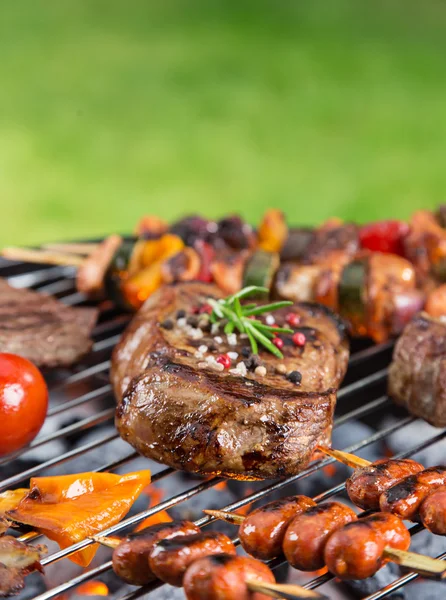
(111, 109)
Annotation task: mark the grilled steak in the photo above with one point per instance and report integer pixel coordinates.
(179, 406)
(43, 329)
(417, 375)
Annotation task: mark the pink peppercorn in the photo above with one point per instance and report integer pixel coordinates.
(224, 360)
(299, 339)
(205, 308)
(292, 319)
(277, 342)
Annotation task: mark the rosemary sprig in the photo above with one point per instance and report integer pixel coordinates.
(242, 317)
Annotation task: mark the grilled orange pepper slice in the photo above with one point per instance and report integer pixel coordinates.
(71, 508)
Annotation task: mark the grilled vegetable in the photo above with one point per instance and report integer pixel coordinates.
(384, 236)
(352, 294)
(23, 402)
(260, 269)
(70, 508)
(273, 231)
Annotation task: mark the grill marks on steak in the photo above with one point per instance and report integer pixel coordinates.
(417, 375)
(42, 329)
(199, 420)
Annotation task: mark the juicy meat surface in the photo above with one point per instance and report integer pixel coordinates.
(175, 409)
(42, 329)
(417, 375)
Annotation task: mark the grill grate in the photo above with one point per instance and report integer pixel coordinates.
(365, 380)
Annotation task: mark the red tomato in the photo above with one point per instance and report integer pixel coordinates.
(384, 236)
(23, 402)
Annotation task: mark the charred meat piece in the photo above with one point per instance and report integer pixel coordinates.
(417, 375)
(42, 329)
(258, 417)
(16, 561)
(332, 239)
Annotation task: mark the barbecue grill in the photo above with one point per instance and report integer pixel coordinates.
(361, 397)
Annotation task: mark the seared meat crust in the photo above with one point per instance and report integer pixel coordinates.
(42, 329)
(417, 375)
(199, 420)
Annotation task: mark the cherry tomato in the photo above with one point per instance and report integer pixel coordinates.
(384, 236)
(23, 402)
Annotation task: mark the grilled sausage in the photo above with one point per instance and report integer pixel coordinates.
(366, 484)
(261, 533)
(90, 276)
(170, 558)
(433, 511)
(356, 551)
(307, 534)
(130, 559)
(404, 498)
(223, 577)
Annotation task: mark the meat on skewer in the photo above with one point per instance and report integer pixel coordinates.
(400, 486)
(310, 532)
(169, 552)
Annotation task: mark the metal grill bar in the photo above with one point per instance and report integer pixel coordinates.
(59, 280)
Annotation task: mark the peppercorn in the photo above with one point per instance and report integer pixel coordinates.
(299, 338)
(167, 324)
(294, 377)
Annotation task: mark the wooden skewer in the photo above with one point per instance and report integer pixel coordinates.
(348, 459)
(43, 256)
(285, 591)
(425, 565)
(86, 248)
(431, 567)
(224, 515)
(110, 542)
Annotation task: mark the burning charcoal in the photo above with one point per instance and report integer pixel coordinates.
(364, 587)
(415, 433)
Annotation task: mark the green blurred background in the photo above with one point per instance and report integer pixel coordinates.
(112, 109)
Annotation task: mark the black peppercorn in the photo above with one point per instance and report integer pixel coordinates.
(294, 377)
(246, 352)
(181, 314)
(167, 324)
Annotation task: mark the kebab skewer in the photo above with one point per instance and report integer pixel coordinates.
(401, 486)
(178, 552)
(331, 535)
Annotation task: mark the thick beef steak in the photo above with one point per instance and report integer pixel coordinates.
(256, 420)
(43, 329)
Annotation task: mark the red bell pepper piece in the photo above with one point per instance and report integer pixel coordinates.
(384, 236)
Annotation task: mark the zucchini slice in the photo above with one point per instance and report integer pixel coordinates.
(352, 292)
(261, 268)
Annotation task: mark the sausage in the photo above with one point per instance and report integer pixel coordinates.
(366, 484)
(404, 498)
(130, 559)
(356, 551)
(433, 511)
(223, 577)
(261, 533)
(90, 276)
(170, 558)
(307, 534)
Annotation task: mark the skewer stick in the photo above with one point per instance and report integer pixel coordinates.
(351, 460)
(110, 542)
(86, 248)
(284, 591)
(223, 515)
(42, 256)
(425, 565)
(431, 567)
